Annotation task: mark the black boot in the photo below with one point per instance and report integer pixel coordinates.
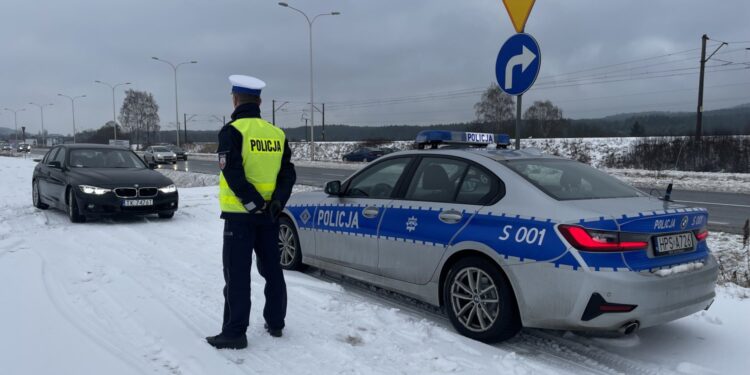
(221, 341)
(273, 332)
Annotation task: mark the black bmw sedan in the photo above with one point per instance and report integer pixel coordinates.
(100, 180)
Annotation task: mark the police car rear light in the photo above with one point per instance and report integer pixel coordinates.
(598, 241)
(701, 235)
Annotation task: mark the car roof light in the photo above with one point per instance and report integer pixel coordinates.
(434, 138)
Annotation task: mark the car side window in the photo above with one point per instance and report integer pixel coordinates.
(379, 180)
(49, 156)
(60, 156)
(478, 187)
(436, 180)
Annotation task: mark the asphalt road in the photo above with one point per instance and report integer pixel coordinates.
(727, 211)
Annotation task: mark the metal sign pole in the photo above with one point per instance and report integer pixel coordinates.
(518, 121)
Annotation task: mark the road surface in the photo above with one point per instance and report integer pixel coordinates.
(727, 211)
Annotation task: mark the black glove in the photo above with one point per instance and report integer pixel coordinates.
(274, 209)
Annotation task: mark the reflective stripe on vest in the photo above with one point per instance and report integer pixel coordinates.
(262, 149)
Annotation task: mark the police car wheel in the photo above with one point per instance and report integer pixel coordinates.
(290, 254)
(479, 301)
(37, 199)
(73, 214)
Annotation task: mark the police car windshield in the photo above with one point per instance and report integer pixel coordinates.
(571, 180)
(104, 158)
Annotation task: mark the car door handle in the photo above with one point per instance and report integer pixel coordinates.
(450, 216)
(370, 212)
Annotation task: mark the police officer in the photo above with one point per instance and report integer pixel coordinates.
(255, 183)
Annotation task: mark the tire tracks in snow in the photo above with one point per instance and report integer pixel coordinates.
(534, 343)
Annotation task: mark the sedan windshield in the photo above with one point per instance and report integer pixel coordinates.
(571, 180)
(161, 149)
(104, 158)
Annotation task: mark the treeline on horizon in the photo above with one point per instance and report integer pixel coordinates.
(732, 121)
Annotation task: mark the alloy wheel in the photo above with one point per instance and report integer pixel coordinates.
(287, 245)
(475, 299)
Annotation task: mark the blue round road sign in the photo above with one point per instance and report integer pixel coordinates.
(518, 64)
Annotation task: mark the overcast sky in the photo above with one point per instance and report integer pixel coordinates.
(379, 62)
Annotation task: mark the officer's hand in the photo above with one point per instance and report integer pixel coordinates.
(274, 209)
(252, 207)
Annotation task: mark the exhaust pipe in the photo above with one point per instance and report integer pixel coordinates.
(629, 327)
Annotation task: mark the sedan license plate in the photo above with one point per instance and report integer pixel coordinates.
(138, 202)
(674, 243)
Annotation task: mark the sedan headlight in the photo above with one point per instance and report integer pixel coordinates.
(168, 189)
(94, 190)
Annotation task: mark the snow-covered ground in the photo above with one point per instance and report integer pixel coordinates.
(136, 296)
(697, 181)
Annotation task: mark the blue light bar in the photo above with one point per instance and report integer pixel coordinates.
(436, 137)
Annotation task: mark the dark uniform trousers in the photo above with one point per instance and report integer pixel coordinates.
(240, 238)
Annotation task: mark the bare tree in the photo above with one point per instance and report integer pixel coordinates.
(495, 106)
(543, 115)
(139, 113)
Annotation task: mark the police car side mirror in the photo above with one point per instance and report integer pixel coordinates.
(333, 188)
(151, 165)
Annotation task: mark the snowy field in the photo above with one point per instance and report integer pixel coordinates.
(137, 296)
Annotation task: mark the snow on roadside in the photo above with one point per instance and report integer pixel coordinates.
(135, 296)
(192, 179)
(682, 180)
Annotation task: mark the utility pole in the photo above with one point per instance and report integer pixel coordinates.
(176, 109)
(274, 110)
(73, 110)
(324, 122)
(186, 119)
(15, 119)
(704, 59)
(312, 97)
(41, 110)
(114, 116)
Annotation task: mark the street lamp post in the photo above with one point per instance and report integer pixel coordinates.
(312, 96)
(114, 113)
(15, 119)
(176, 109)
(41, 109)
(73, 108)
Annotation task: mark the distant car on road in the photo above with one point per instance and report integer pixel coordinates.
(97, 180)
(6, 148)
(502, 239)
(23, 147)
(180, 153)
(364, 154)
(159, 155)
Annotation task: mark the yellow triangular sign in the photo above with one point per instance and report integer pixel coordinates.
(519, 11)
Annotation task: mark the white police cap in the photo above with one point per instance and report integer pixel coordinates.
(246, 85)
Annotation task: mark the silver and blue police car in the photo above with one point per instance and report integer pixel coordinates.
(502, 239)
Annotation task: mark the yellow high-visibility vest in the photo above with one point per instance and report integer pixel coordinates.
(262, 149)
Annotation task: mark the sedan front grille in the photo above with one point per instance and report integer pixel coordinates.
(126, 192)
(147, 192)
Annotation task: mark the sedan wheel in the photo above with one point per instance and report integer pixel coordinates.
(36, 198)
(479, 301)
(73, 214)
(289, 249)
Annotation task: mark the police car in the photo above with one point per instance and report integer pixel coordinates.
(502, 239)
